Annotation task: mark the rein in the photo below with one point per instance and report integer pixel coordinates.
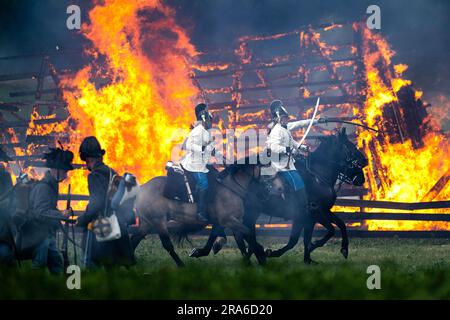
(243, 192)
(342, 173)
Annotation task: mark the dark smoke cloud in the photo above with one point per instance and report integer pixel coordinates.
(417, 29)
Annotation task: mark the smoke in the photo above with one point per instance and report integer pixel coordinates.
(418, 30)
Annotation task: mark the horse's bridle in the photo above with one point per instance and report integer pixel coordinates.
(343, 166)
(351, 162)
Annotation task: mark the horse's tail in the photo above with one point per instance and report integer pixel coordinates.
(182, 232)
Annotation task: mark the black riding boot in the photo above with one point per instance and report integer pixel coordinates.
(201, 206)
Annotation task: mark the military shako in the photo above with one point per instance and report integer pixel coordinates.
(277, 110)
(202, 113)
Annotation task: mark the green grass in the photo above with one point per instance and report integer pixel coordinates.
(410, 269)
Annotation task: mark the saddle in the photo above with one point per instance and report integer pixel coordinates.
(181, 184)
(273, 185)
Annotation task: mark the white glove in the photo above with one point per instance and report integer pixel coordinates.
(303, 148)
(209, 149)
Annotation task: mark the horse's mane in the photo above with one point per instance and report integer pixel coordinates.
(322, 151)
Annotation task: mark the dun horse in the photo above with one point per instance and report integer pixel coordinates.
(163, 216)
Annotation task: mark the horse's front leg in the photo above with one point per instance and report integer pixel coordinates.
(203, 252)
(307, 236)
(325, 221)
(239, 238)
(164, 236)
(341, 225)
(296, 230)
(254, 247)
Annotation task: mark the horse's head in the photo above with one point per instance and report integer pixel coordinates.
(131, 187)
(345, 155)
(353, 160)
(114, 185)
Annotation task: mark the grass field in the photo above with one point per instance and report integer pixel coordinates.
(410, 269)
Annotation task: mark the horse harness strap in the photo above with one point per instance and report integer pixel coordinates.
(240, 195)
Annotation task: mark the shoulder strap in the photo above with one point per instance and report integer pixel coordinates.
(111, 176)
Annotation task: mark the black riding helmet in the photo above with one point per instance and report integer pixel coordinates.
(90, 148)
(277, 109)
(202, 112)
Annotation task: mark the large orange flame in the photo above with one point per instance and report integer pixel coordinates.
(398, 171)
(137, 92)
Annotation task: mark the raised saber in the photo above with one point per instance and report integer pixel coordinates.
(310, 122)
(307, 130)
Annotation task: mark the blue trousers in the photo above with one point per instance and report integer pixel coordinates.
(202, 180)
(47, 255)
(293, 179)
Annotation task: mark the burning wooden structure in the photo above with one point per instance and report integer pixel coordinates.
(350, 69)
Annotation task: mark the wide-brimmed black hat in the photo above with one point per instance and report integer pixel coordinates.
(3, 156)
(277, 109)
(90, 148)
(58, 158)
(202, 112)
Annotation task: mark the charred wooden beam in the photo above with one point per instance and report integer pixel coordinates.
(41, 164)
(355, 233)
(352, 216)
(45, 139)
(18, 76)
(27, 93)
(295, 62)
(279, 86)
(25, 124)
(4, 106)
(266, 122)
(297, 102)
(393, 205)
(328, 63)
(438, 187)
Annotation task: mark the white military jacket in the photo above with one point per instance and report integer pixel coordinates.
(195, 159)
(279, 139)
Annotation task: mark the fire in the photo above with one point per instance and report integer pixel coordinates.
(398, 171)
(136, 93)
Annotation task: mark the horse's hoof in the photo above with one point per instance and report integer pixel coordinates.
(181, 264)
(262, 260)
(195, 253)
(344, 252)
(246, 261)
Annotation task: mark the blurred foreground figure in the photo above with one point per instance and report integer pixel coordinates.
(110, 252)
(6, 237)
(36, 238)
